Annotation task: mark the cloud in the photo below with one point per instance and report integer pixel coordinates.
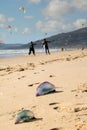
(26, 31)
(80, 23)
(2, 18)
(56, 8)
(15, 29)
(5, 23)
(54, 26)
(80, 4)
(10, 19)
(59, 16)
(34, 1)
(54, 16)
(28, 17)
(50, 26)
(1, 25)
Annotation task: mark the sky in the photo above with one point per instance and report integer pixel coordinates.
(39, 19)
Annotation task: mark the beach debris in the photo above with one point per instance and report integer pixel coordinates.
(24, 116)
(45, 88)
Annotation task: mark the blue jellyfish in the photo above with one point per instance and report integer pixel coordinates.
(45, 88)
(24, 116)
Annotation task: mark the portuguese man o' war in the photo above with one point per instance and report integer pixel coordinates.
(45, 88)
(24, 116)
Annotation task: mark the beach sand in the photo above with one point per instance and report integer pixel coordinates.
(64, 110)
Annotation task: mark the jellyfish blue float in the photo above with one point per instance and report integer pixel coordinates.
(45, 88)
(24, 116)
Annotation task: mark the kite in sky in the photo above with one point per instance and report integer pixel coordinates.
(22, 9)
(8, 27)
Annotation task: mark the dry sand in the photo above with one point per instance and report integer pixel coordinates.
(64, 110)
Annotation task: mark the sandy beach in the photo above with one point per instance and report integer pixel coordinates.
(64, 110)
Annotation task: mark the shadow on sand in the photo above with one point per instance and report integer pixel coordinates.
(53, 92)
(32, 120)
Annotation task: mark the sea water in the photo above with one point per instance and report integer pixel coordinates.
(9, 53)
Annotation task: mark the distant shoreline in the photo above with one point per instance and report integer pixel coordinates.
(12, 53)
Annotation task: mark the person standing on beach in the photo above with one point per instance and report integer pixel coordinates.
(45, 44)
(31, 48)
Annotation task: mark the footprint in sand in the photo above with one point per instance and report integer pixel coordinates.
(42, 70)
(82, 88)
(72, 112)
(8, 69)
(68, 59)
(42, 63)
(81, 108)
(54, 129)
(51, 76)
(59, 128)
(70, 108)
(30, 85)
(21, 77)
(2, 74)
(21, 69)
(36, 72)
(81, 127)
(10, 72)
(53, 103)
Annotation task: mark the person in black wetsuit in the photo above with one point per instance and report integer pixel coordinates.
(45, 44)
(31, 48)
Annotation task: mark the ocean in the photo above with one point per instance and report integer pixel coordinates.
(10, 53)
